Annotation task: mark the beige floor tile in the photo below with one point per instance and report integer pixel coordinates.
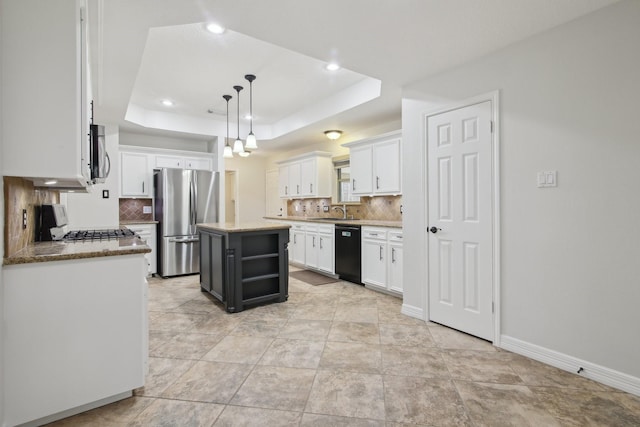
(264, 328)
(276, 388)
(209, 382)
(157, 338)
(319, 311)
(239, 416)
(359, 299)
(305, 329)
(282, 310)
(590, 408)
(452, 339)
(186, 346)
(535, 373)
(293, 353)
(163, 412)
(409, 335)
(116, 414)
(177, 322)
(351, 356)
(345, 313)
(315, 420)
(413, 361)
(347, 394)
(354, 332)
(234, 349)
(504, 405)
(481, 366)
(162, 373)
(426, 401)
(222, 324)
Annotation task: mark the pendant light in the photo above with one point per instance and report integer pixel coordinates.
(228, 152)
(237, 146)
(251, 138)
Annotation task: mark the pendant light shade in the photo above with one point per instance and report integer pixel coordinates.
(251, 138)
(227, 153)
(237, 146)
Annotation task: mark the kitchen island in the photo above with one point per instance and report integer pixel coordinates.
(244, 264)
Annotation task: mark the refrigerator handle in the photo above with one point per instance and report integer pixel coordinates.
(194, 183)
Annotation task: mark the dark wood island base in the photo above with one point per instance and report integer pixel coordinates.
(244, 264)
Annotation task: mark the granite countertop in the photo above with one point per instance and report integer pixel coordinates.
(363, 222)
(60, 251)
(125, 223)
(237, 227)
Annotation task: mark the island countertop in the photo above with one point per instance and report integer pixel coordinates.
(238, 227)
(361, 222)
(60, 251)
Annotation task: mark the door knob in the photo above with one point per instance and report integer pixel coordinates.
(434, 230)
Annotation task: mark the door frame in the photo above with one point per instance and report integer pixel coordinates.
(236, 205)
(494, 98)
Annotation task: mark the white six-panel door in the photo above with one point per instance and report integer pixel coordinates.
(460, 219)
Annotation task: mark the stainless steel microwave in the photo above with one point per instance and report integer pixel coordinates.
(99, 162)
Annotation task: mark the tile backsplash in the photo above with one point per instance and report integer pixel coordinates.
(131, 210)
(381, 208)
(20, 194)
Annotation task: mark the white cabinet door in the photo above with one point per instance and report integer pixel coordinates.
(283, 181)
(197, 163)
(312, 242)
(361, 170)
(174, 162)
(295, 175)
(148, 233)
(395, 267)
(374, 263)
(325, 253)
(308, 178)
(135, 177)
(297, 251)
(386, 164)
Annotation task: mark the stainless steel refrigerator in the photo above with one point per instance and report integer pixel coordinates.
(183, 198)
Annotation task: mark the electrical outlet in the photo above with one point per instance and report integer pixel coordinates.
(24, 219)
(146, 209)
(325, 208)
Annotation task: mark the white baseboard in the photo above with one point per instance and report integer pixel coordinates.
(568, 363)
(412, 311)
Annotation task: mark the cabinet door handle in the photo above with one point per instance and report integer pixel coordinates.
(353, 184)
(143, 186)
(393, 255)
(380, 253)
(295, 240)
(314, 241)
(321, 243)
(377, 182)
(297, 188)
(310, 188)
(286, 189)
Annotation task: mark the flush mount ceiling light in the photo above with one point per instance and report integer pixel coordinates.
(332, 66)
(251, 138)
(237, 145)
(167, 102)
(228, 152)
(215, 28)
(50, 182)
(333, 134)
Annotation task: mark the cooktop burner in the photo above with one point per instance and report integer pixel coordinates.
(80, 235)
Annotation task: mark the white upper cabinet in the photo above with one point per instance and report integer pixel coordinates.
(45, 91)
(135, 175)
(376, 165)
(306, 176)
(180, 162)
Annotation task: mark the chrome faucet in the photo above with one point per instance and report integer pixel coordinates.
(343, 208)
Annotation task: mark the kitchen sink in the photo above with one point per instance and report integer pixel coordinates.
(332, 219)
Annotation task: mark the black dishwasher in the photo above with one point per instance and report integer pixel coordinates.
(348, 253)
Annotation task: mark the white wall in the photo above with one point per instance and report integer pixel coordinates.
(250, 173)
(569, 102)
(90, 210)
(2, 381)
(157, 141)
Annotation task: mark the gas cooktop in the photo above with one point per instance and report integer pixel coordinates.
(106, 234)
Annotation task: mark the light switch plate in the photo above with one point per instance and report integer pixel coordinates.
(547, 179)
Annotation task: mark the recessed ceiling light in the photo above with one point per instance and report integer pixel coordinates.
(50, 182)
(332, 66)
(215, 28)
(167, 102)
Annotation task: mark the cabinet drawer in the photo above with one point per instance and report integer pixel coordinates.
(297, 226)
(395, 236)
(311, 228)
(374, 233)
(169, 162)
(326, 229)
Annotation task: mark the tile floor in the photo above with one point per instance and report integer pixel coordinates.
(340, 355)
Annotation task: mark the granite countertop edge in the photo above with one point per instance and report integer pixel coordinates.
(364, 222)
(132, 222)
(30, 254)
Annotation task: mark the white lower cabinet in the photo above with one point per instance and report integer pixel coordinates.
(311, 246)
(382, 259)
(148, 233)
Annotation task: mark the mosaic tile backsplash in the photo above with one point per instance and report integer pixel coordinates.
(380, 208)
(20, 194)
(131, 210)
